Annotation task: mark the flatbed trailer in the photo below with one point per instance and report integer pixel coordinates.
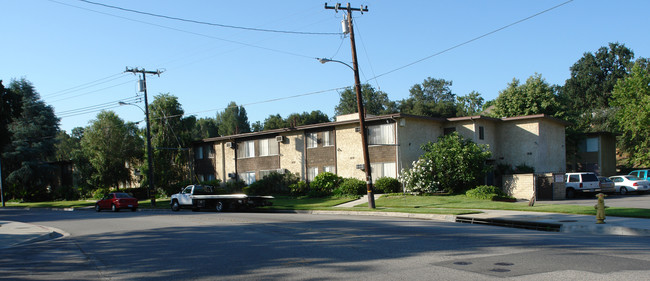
(198, 197)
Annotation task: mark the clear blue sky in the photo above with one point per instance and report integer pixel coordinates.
(75, 52)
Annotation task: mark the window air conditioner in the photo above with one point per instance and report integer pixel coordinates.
(279, 138)
(230, 144)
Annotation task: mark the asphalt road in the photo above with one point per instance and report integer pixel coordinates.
(272, 246)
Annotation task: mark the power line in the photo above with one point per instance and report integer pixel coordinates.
(472, 40)
(98, 90)
(96, 108)
(86, 85)
(209, 23)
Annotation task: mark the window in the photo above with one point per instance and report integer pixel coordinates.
(481, 133)
(380, 170)
(588, 145)
(381, 134)
(198, 153)
(268, 147)
(246, 149)
(448, 131)
(329, 169)
(327, 138)
(312, 140)
(312, 173)
(210, 150)
(248, 177)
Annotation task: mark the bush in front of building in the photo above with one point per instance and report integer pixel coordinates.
(299, 188)
(387, 185)
(273, 183)
(324, 184)
(350, 186)
(486, 192)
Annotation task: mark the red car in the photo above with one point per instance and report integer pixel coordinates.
(116, 201)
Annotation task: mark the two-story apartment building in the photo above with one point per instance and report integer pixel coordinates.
(394, 142)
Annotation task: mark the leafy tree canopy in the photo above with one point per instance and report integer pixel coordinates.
(32, 130)
(233, 120)
(470, 104)
(374, 102)
(431, 98)
(535, 96)
(631, 96)
(110, 144)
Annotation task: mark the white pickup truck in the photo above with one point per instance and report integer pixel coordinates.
(199, 197)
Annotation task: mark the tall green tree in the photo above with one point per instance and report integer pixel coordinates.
(171, 134)
(470, 104)
(631, 96)
(374, 102)
(586, 94)
(204, 128)
(431, 98)
(306, 118)
(535, 96)
(32, 134)
(111, 146)
(233, 120)
(10, 108)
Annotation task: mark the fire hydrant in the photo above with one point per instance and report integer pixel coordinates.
(600, 208)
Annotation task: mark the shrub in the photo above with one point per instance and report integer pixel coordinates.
(387, 185)
(486, 192)
(66, 193)
(419, 179)
(273, 183)
(351, 186)
(100, 192)
(299, 188)
(324, 184)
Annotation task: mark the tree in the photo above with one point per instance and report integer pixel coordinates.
(274, 122)
(233, 120)
(32, 132)
(374, 102)
(431, 98)
(586, 94)
(306, 118)
(171, 134)
(458, 163)
(536, 96)
(470, 104)
(111, 146)
(205, 128)
(631, 96)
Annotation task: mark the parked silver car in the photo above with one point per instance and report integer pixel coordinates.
(627, 183)
(606, 185)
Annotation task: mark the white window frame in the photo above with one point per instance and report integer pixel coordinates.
(312, 172)
(330, 169)
(246, 149)
(311, 139)
(327, 138)
(247, 177)
(269, 147)
(381, 134)
(383, 169)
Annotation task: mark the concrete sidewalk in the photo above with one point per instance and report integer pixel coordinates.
(16, 233)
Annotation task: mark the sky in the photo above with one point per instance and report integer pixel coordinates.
(75, 53)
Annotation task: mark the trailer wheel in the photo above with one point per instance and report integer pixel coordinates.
(219, 207)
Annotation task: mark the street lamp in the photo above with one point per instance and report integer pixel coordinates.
(149, 153)
(362, 126)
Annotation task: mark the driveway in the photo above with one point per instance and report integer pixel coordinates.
(613, 200)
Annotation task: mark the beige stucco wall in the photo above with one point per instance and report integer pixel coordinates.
(411, 134)
(292, 153)
(219, 172)
(470, 129)
(349, 152)
(228, 161)
(520, 186)
(551, 151)
(517, 141)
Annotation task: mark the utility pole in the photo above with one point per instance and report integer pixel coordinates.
(143, 88)
(2, 193)
(357, 86)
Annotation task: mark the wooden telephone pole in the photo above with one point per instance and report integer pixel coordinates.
(152, 193)
(357, 87)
